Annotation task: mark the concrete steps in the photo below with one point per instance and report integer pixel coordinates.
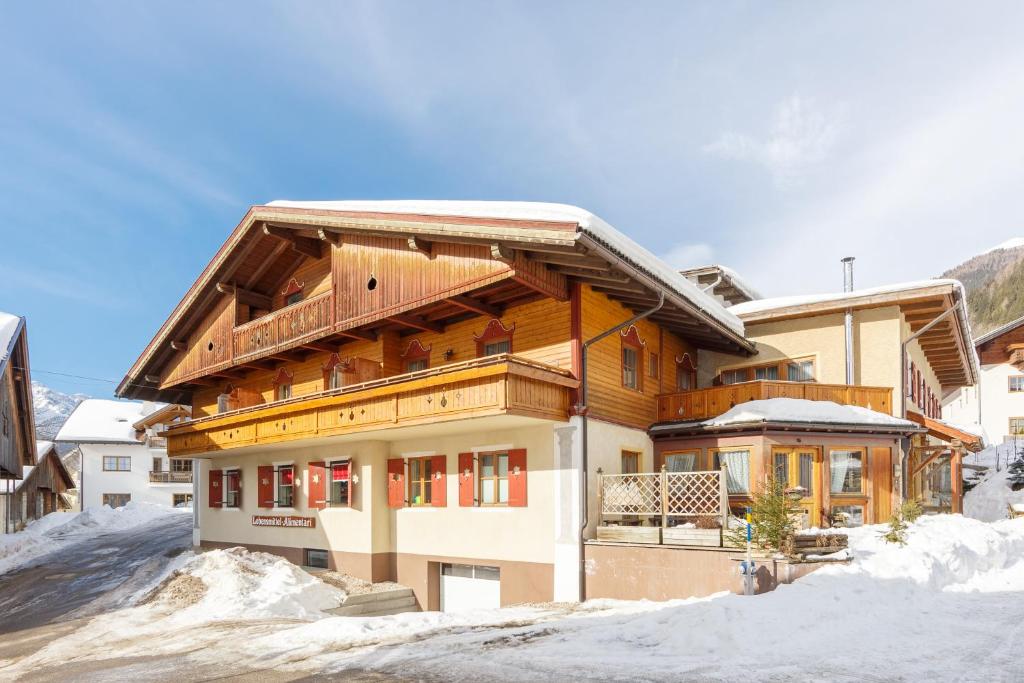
(379, 604)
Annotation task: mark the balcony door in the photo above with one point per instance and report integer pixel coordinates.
(800, 468)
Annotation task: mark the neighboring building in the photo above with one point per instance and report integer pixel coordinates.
(122, 457)
(42, 490)
(723, 283)
(996, 402)
(17, 424)
(445, 393)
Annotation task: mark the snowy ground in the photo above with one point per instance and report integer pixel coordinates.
(988, 500)
(946, 606)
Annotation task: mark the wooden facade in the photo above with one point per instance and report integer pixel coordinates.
(17, 424)
(38, 494)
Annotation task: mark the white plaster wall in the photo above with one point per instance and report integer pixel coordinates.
(606, 441)
(998, 405)
(95, 482)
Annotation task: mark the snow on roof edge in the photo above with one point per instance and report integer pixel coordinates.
(774, 303)
(98, 420)
(9, 326)
(800, 411)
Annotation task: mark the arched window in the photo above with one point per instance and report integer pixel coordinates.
(495, 339)
(227, 399)
(632, 359)
(686, 373)
(292, 292)
(283, 385)
(334, 370)
(416, 357)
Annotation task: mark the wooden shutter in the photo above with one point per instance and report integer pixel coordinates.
(215, 489)
(466, 479)
(517, 480)
(317, 486)
(265, 486)
(351, 483)
(396, 482)
(439, 487)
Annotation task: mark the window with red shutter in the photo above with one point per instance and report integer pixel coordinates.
(317, 485)
(341, 484)
(517, 477)
(439, 491)
(215, 494)
(396, 482)
(466, 480)
(265, 485)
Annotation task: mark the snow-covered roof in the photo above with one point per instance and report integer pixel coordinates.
(8, 335)
(797, 411)
(42, 447)
(98, 420)
(763, 305)
(588, 222)
(12, 485)
(1002, 329)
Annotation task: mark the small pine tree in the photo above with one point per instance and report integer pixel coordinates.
(910, 511)
(772, 522)
(897, 532)
(1015, 474)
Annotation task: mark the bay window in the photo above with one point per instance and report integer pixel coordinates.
(737, 462)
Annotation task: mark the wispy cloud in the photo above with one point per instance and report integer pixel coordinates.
(689, 255)
(800, 137)
(63, 285)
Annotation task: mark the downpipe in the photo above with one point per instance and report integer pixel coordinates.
(581, 411)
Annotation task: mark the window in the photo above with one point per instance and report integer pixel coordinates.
(495, 339)
(334, 377)
(769, 372)
(681, 462)
(686, 373)
(419, 481)
(493, 478)
(315, 558)
(800, 371)
(284, 391)
(292, 292)
(630, 368)
(846, 472)
(158, 465)
(232, 488)
(737, 478)
(734, 376)
(293, 299)
(341, 479)
(630, 462)
(1016, 426)
(285, 486)
(417, 356)
(283, 385)
(178, 465)
(421, 364)
(1017, 383)
(117, 463)
(653, 365)
(854, 514)
(781, 472)
(116, 500)
(807, 471)
(181, 500)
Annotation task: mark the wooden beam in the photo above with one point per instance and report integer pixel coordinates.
(417, 323)
(362, 335)
(321, 346)
(500, 252)
(476, 306)
(583, 274)
(303, 245)
(576, 261)
(267, 263)
(327, 236)
(421, 245)
(246, 296)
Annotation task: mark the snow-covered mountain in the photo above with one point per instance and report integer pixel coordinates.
(52, 408)
(994, 281)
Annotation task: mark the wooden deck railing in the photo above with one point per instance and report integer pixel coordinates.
(284, 328)
(663, 495)
(700, 404)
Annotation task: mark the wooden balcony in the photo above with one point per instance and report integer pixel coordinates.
(170, 477)
(701, 404)
(284, 328)
(496, 385)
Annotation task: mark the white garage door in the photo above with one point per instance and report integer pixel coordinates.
(466, 586)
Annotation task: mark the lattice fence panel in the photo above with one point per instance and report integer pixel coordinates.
(694, 493)
(631, 494)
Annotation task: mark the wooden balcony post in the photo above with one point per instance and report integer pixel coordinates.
(664, 497)
(600, 496)
(723, 494)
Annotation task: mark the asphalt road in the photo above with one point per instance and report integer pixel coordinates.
(89, 577)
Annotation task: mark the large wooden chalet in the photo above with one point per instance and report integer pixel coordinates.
(17, 425)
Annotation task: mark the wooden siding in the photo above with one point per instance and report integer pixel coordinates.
(11, 449)
(209, 347)
(284, 328)
(314, 275)
(704, 403)
(490, 386)
(607, 398)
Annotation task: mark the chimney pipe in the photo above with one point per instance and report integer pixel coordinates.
(848, 318)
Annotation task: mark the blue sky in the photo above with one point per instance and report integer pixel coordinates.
(775, 139)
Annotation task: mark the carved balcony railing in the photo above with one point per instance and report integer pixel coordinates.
(284, 328)
(700, 404)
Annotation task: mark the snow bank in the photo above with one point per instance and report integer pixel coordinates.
(802, 410)
(62, 528)
(989, 498)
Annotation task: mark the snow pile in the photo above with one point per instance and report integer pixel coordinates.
(235, 583)
(990, 497)
(103, 421)
(802, 410)
(61, 528)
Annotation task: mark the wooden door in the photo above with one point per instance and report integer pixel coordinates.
(800, 467)
(881, 485)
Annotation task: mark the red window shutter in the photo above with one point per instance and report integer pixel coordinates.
(265, 486)
(466, 479)
(517, 478)
(439, 487)
(215, 489)
(317, 486)
(396, 482)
